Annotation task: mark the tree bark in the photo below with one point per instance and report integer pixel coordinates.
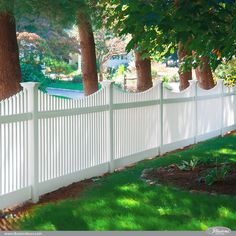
(184, 76)
(101, 70)
(10, 74)
(88, 54)
(144, 75)
(204, 74)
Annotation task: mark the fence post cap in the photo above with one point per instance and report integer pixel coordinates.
(193, 81)
(30, 85)
(106, 83)
(157, 82)
(220, 81)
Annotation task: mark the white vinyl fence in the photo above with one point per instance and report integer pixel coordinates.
(48, 142)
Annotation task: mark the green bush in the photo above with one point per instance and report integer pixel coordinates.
(57, 66)
(216, 174)
(77, 79)
(32, 72)
(227, 72)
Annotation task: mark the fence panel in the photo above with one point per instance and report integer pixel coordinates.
(178, 118)
(48, 142)
(229, 106)
(209, 110)
(135, 124)
(14, 158)
(71, 141)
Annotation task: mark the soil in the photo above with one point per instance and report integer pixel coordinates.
(189, 179)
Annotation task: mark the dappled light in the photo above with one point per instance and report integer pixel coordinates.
(121, 201)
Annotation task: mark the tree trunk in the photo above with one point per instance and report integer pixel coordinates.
(184, 76)
(144, 75)
(10, 74)
(88, 54)
(101, 70)
(204, 74)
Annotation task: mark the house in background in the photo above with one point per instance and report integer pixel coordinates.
(75, 60)
(113, 62)
(119, 59)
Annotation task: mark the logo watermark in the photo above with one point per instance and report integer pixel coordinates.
(218, 230)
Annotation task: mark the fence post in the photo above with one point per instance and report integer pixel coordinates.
(159, 83)
(194, 83)
(32, 103)
(108, 85)
(221, 83)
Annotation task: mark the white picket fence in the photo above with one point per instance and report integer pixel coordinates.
(48, 142)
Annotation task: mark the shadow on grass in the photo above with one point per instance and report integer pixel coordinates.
(122, 201)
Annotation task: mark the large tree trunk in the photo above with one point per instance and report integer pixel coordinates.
(101, 72)
(10, 74)
(144, 75)
(204, 74)
(88, 54)
(184, 76)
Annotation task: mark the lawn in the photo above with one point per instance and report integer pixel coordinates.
(66, 85)
(121, 201)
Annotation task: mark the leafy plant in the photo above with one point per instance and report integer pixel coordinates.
(32, 72)
(227, 72)
(216, 174)
(209, 160)
(57, 66)
(189, 165)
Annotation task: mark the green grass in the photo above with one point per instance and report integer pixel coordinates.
(121, 201)
(66, 85)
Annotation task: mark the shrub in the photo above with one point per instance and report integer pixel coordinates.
(189, 165)
(32, 72)
(227, 71)
(77, 79)
(216, 174)
(57, 66)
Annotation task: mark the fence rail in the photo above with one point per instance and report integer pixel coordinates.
(48, 142)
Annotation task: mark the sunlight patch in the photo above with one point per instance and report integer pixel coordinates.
(223, 212)
(48, 227)
(128, 202)
(203, 226)
(129, 188)
(164, 211)
(128, 223)
(100, 224)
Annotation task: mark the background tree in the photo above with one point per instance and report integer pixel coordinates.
(125, 19)
(65, 14)
(59, 41)
(107, 45)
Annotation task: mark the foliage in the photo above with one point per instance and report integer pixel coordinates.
(227, 71)
(107, 45)
(216, 174)
(157, 27)
(32, 72)
(77, 79)
(32, 47)
(189, 165)
(59, 41)
(58, 66)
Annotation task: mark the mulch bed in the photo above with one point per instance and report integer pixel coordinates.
(189, 179)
